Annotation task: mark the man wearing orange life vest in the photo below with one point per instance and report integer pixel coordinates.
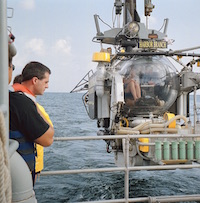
(27, 123)
(39, 159)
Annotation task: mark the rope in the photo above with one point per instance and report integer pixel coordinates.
(5, 179)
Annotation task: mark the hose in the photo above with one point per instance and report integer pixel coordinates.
(147, 127)
(5, 179)
(128, 131)
(137, 128)
(168, 130)
(163, 127)
(139, 153)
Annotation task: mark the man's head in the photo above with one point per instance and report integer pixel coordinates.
(17, 79)
(11, 53)
(35, 76)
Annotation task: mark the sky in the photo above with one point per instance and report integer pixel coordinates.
(59, 33)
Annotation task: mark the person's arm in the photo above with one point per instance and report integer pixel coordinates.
(47, 138)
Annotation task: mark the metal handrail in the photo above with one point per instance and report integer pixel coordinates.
(109, 137)
(127, 168)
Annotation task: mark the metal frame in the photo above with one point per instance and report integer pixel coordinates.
(163, 53)
(127, 169)
(83, 84)
(4, 64)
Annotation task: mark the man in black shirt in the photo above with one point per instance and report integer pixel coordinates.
(27, 124)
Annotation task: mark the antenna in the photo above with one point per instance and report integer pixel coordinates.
(97, 25)
(148, 8)
(118, 10)
(166, 25)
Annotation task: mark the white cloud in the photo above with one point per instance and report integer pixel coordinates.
(36, 46)
(28, 4)
(63, 46)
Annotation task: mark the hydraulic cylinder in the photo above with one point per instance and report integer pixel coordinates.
(166, 151)
(190, 150)
(158, 150)
(174, 150)
(197, 150)
(182, 150)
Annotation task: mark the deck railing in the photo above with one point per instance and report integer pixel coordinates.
(127, 169)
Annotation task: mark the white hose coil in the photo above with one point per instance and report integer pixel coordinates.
(148, 127)
(5, 178)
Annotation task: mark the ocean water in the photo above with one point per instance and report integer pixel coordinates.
(69, 117)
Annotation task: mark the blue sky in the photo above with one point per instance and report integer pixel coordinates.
(59, 33)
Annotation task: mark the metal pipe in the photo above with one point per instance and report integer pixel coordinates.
(188, 49)
(174, 198)
(180, 105)
(147, 22)
(116, 169)
(4, 63)
(166, 25)
(77, 171)
(195, 108)
(178, 198)
(167, 53)
(130, 7)
(118, 21)
(126, 176)
(184, 103)
(146, 144)
(108, 201)
(108, 137)
(97, 25)
(163, 167)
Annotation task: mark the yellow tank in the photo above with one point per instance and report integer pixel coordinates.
(101, 57)
(167, 117)
(144, 148)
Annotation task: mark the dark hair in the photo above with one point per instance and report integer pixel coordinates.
(17, 79)
(34, 69)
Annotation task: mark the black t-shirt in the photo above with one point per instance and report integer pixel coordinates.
(25, 118)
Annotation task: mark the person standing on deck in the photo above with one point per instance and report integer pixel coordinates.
(39, 159)
(27, 124)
